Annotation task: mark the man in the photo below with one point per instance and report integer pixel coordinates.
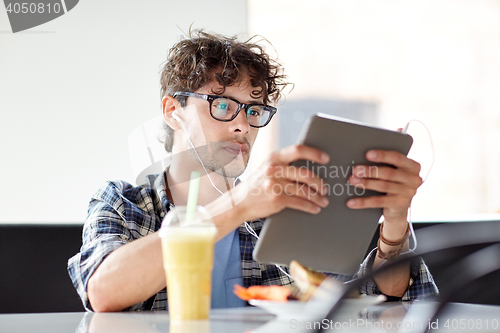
(216, 93)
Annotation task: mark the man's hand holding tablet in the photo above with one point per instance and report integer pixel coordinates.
(400, 183)
(272, 187)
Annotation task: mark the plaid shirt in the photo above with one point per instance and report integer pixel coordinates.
(120, 213)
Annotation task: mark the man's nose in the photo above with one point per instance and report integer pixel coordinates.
(240, 123)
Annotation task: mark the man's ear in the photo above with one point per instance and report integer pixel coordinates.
(169, 105)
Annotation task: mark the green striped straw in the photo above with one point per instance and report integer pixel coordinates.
(194, 186)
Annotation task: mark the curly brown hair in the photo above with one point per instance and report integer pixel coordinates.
(200, 57)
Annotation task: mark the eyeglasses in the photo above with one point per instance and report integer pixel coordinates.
(226, 109)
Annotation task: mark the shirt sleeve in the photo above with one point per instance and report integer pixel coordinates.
(104, 231)
(421, 285)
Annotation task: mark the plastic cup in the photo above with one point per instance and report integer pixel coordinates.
(188, 256)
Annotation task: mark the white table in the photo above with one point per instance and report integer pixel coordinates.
(251, 319)
(397, 317)
(221, 320)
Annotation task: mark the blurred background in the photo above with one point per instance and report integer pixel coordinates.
(74, 90)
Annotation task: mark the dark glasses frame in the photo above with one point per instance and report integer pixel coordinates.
(241, 106)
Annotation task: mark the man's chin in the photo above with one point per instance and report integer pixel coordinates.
(233, 169)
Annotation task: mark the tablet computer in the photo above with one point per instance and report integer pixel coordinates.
(337, 239)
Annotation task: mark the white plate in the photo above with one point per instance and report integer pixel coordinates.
(307, 309)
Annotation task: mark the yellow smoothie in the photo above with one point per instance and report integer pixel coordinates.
(188, 255)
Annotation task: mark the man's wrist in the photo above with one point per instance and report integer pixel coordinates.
(392, 248)
(394, 229)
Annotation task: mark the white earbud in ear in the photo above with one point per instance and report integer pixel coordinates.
(176, 117)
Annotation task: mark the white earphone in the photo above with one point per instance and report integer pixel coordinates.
(176, 117)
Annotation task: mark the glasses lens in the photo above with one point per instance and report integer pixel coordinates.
(258, 115)
(223, 108)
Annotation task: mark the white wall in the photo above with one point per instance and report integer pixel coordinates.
(433, 60)
(73, 89)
